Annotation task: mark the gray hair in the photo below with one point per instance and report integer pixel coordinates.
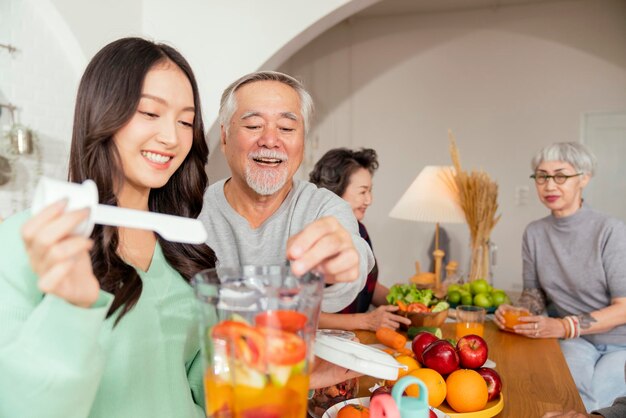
(574, 153)
(228, 104)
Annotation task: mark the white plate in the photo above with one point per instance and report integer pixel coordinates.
(489, 363)
(365, 401)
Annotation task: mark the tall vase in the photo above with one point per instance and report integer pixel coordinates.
(479, 262)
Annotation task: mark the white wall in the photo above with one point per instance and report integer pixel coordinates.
(507, 81)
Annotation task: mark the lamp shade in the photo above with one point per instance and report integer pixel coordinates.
(432, 197)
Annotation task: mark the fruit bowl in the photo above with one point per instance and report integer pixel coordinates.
(493, 408)
(365, 401)
(425, 319)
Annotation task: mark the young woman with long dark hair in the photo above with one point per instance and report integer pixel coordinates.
(105, 326)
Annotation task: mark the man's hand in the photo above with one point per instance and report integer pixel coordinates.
(327, 247)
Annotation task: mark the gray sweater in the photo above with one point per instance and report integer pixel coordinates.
(617, 410)
(235, 242)
(579, 261)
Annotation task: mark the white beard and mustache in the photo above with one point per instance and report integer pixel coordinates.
(266, 180)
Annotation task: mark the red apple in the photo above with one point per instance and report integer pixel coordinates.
(494, 382)
(381, 391)
(441, 356)
(432, 414)
(472, 351)
(422, 340)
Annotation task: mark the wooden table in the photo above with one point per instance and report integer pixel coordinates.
(535, 376)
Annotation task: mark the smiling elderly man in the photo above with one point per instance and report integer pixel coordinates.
(261, 215)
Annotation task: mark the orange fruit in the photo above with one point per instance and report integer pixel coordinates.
(435, 384)
(410, 362)
(353, 411)
(467, 391)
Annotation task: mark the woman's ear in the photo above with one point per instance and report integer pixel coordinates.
(584, 180)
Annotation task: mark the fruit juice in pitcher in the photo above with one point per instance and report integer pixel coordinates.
(259, 371)
(258, 327)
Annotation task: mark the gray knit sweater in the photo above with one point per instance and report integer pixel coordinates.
(235, 242)
(579, 261)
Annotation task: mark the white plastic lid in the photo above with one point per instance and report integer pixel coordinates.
(358, 357)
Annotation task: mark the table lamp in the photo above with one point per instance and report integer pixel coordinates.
(432, 197)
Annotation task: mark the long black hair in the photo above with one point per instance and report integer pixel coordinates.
(108, 97)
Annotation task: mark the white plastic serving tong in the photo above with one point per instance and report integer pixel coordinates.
(172, 228)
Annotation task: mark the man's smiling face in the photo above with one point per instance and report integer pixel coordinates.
(265, 142)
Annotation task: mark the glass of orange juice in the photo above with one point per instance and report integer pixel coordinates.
(512, 314)
(469, 320)
(258, 326)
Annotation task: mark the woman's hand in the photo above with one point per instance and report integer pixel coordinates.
(538, 326)
(324, 374)
(384, 316)
(499, 315)
(59, 258)
(568, 414)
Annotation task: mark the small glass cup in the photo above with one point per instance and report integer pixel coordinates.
(469, 320)
(513, 314)
(324, 398)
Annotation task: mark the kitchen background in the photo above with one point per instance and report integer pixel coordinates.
(508, 76)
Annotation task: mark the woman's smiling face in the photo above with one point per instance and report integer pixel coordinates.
(562, 199)
(359, 192)
(158, 137)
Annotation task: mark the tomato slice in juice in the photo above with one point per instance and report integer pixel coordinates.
(248, 342)
(283, 348)
(290, 321)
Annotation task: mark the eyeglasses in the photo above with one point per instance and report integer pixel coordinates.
(558, 178)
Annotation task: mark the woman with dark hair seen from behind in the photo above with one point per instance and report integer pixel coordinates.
(348, 174)
(575, 259)
(105, 326)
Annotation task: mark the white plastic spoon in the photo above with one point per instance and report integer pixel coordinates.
(172, 228)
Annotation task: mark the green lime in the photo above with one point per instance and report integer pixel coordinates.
(479, 286)
(454, 297)
(483, 300)
(454, 288)
(499, 297)
(466, 299)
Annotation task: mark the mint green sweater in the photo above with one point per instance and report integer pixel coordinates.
(59, 360)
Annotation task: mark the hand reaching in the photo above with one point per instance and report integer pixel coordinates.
(383, 316)
(60, 259)
(326, 246)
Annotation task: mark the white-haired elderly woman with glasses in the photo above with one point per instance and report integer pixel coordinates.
(575, 258)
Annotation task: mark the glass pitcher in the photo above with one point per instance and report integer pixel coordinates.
(258, 327)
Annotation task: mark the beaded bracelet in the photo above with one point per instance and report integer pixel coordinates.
(565, 327)
(576, 326)
(572, 327)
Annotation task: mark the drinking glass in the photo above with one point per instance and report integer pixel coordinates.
(469, 320)
(258, 327)
(513, 314)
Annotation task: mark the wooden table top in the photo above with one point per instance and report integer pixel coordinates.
(535, 376)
